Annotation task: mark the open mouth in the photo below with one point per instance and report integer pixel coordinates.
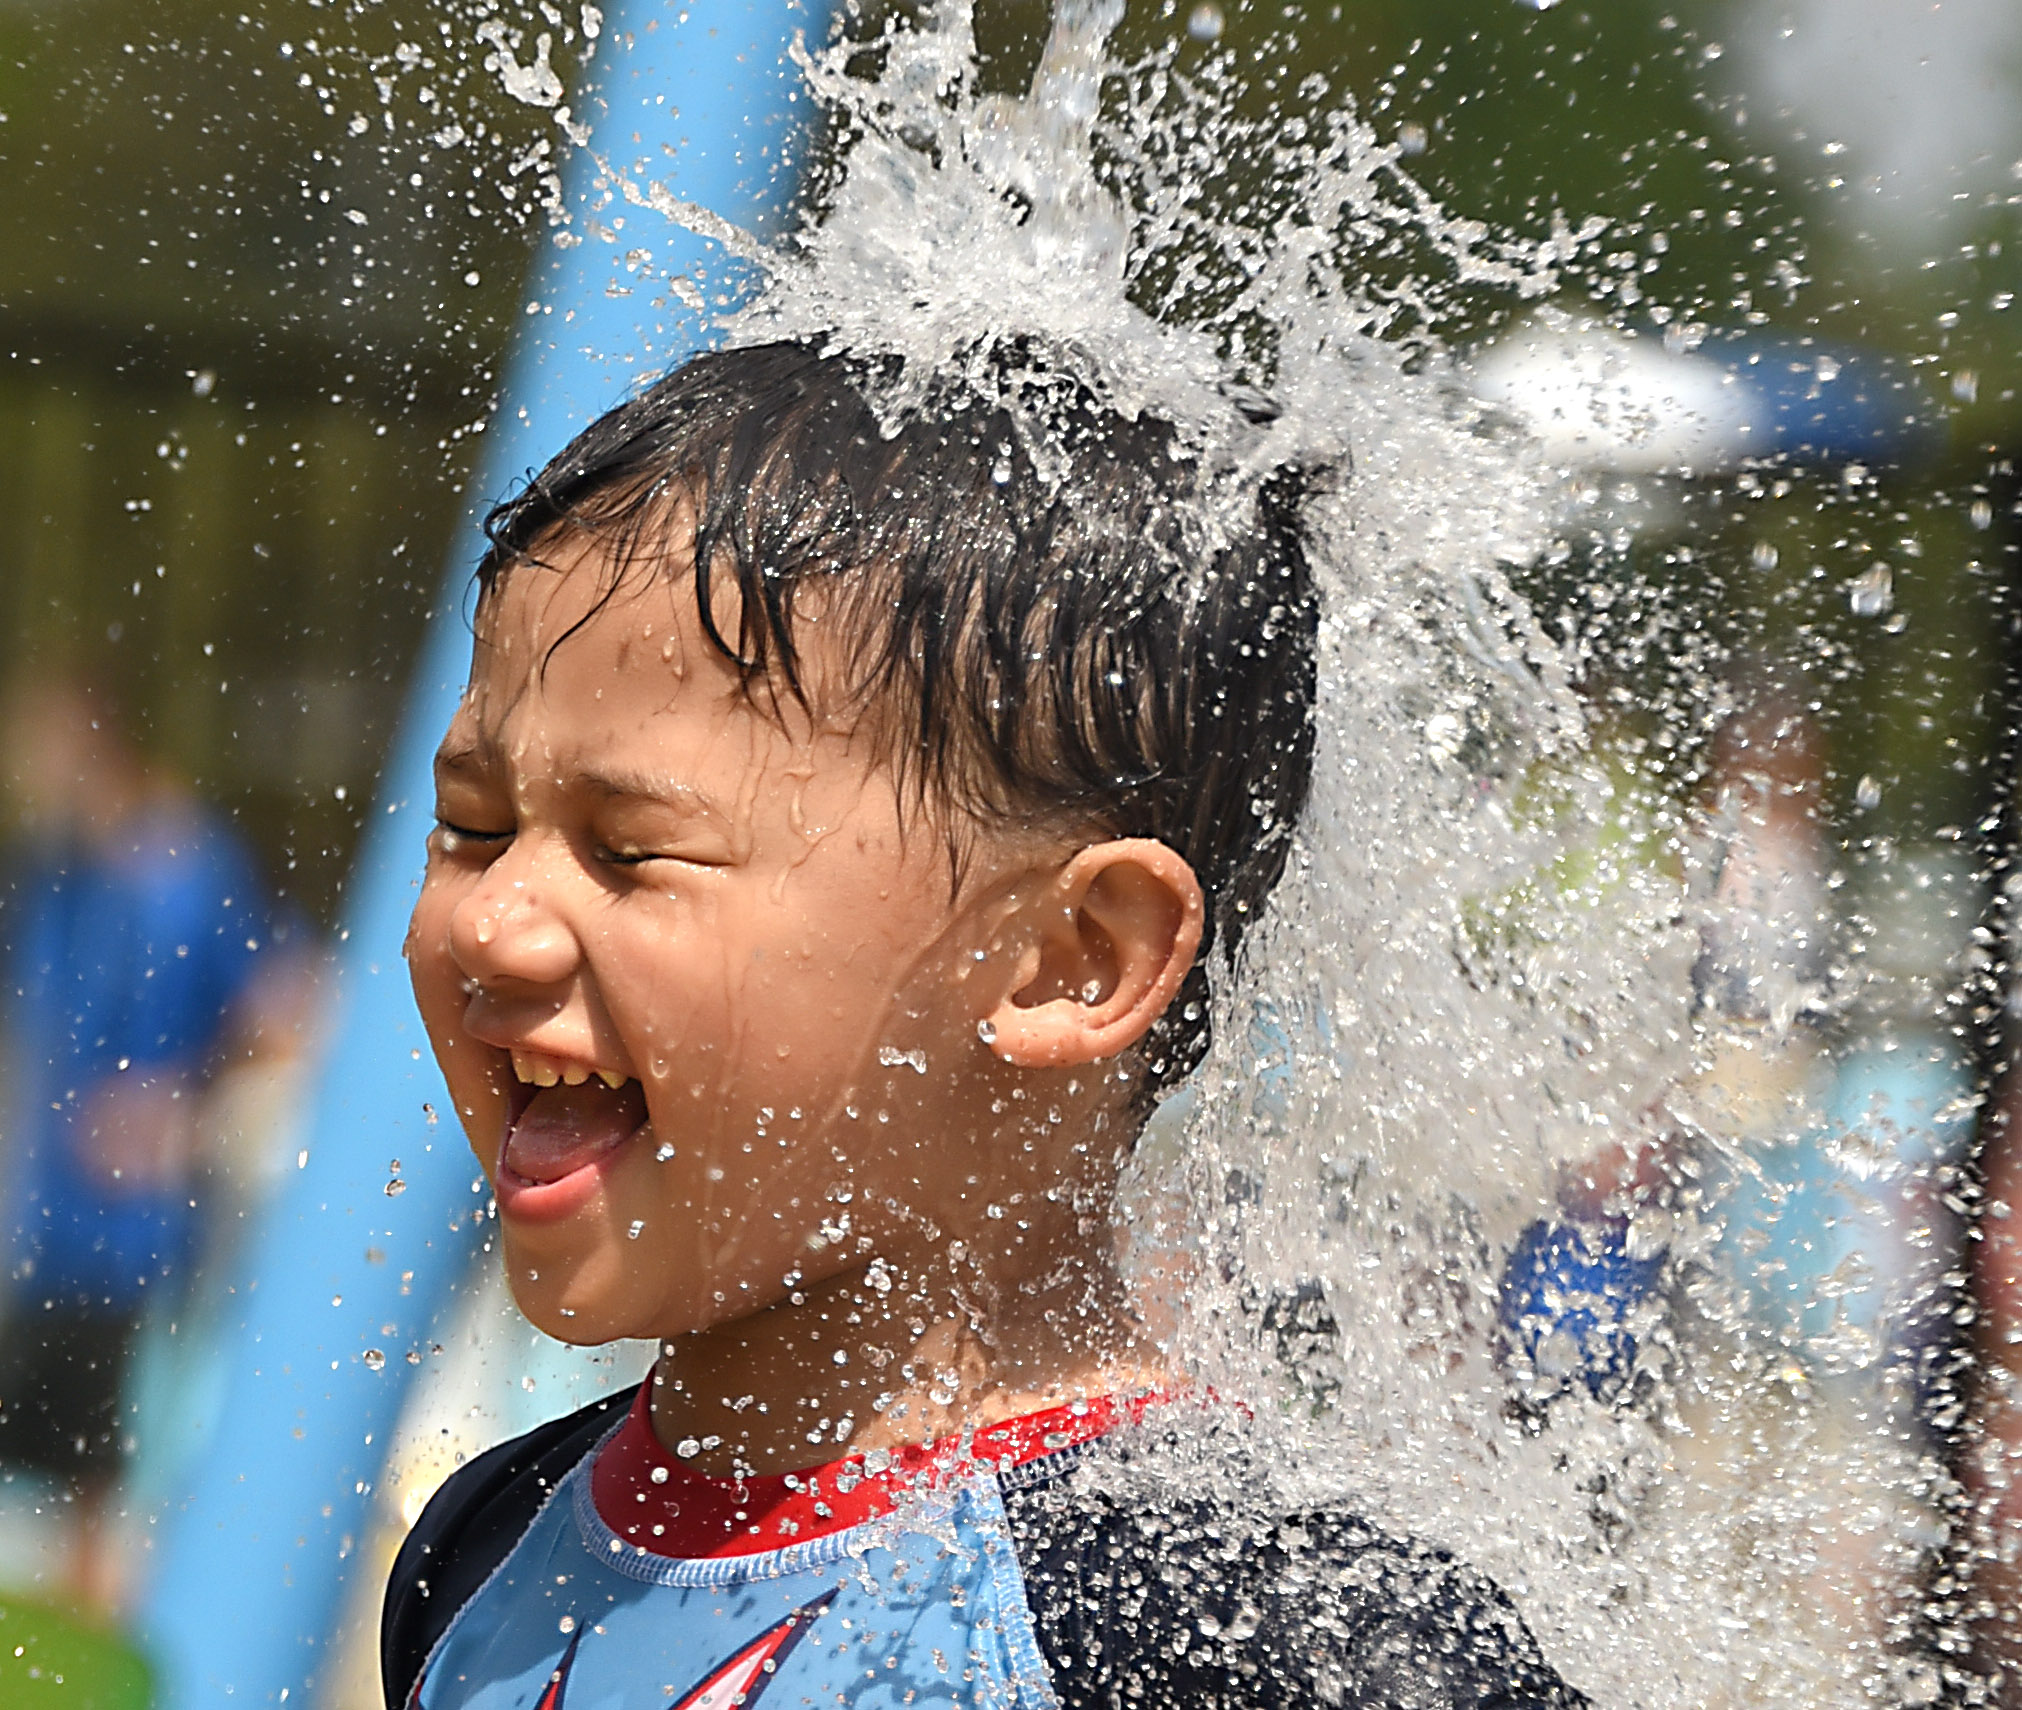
(563, 1119)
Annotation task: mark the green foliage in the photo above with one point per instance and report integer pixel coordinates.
(52, 1661)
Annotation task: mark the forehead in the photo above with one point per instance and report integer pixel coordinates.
(609, 655)
(579, 663)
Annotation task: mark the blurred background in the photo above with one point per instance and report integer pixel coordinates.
(259, 277)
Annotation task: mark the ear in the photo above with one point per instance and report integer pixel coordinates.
(1110, 939)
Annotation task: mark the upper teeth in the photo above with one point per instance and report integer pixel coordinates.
(543, 1071)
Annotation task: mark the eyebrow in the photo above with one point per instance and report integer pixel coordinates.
(621, 780)
(472, 754)
(480, 754)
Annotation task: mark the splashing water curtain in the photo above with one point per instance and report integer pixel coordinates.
(252, 1567)
(1476, 979)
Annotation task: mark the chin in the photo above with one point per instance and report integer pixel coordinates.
(571, 1299)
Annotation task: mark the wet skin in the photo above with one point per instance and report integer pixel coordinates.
(858, 1172)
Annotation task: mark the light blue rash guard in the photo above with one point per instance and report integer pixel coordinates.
(582, 1567)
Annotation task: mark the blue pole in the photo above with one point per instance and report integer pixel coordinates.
(345, 1279)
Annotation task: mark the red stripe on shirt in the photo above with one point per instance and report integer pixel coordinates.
(656, 1501)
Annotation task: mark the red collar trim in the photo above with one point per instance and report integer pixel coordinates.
(651, 1499)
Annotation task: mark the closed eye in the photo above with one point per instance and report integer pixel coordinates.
(456, 839)
(640, 857)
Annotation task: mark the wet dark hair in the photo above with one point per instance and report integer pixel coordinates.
(1034, 644)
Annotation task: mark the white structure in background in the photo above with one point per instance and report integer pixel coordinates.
(1598, 398)
(1917, 104)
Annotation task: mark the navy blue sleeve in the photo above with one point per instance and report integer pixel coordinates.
(469, 1526)
(1197, 1606)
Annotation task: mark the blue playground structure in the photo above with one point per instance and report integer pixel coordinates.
(347, 1277)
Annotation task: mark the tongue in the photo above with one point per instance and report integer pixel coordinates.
(564, 1128)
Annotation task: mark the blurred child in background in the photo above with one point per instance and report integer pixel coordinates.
(131, 926)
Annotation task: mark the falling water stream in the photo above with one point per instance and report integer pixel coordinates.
(1476, 981)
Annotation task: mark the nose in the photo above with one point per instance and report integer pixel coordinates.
(510, 928)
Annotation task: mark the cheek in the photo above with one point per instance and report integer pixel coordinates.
(839, 964)
(438, 990)
(427, 952)
(661, 990)
(704, 995)
(427, 943)
(805, 1030)
(439, 993)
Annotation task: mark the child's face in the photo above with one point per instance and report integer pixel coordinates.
(642, 877)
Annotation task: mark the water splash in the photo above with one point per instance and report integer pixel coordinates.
(1477, 973)
(966, 224)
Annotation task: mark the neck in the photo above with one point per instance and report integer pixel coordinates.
(867, 1360)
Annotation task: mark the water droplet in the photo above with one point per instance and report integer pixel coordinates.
(1873, 592)
(663, 1152)
(375, 1359)
(659, 1475)
(637, 1229)
(1205, 22)
(984, 1031)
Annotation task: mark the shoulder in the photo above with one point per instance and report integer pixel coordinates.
(469, 1526)
(1205, 1604)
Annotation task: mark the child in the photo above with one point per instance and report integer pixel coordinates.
(832, 844)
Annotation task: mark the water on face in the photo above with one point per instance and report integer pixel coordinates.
(1472, 1000)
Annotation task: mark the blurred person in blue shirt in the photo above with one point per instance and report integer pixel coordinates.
(130, 927)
